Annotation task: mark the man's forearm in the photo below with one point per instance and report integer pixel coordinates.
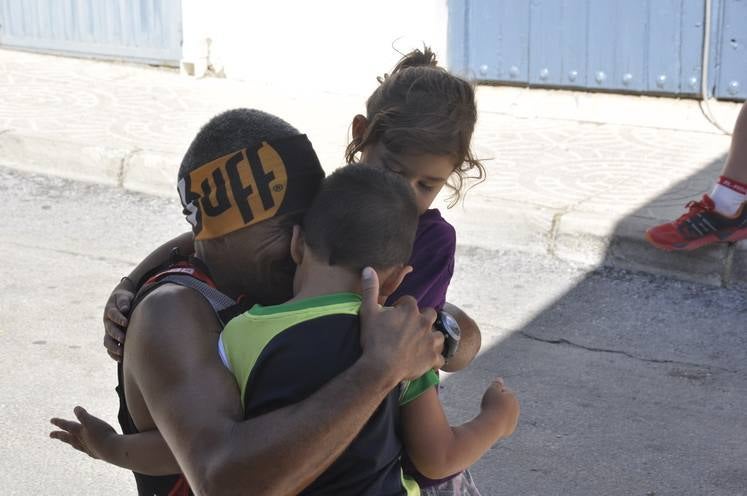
(285, 450)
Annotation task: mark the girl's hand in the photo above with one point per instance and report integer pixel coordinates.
(90, 434)
(116, 310)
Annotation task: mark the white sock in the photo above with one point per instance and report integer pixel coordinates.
(726, 200)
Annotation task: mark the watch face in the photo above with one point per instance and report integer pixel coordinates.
(450, 323)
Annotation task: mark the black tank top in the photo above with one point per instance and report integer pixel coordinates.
(190, 273)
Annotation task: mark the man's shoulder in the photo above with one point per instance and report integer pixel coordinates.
(168, 296)
(171, 306)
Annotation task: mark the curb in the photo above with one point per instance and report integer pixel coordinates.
(589, 240)
(580, 237)
(134, 169)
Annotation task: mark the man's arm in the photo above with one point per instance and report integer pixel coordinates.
(470, 342)
(194, 401)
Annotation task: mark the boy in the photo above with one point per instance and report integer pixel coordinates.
(281, 354)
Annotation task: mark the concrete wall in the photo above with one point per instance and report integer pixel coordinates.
(336, 44)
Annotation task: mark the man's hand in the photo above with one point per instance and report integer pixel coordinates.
(501, 403)
(116, 310)
(90, 434)
(398, 340)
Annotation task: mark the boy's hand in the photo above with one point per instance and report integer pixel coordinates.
(90, 434)
(115, 318)
(501, 403)
(397, 340)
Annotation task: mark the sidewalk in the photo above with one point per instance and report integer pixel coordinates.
(578, 176)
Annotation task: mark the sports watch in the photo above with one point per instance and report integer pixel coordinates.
(447, 324)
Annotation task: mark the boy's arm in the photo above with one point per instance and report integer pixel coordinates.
(439, 450)
(145, 452)
(470, 342)
(117, 307)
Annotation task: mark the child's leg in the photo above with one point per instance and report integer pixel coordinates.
(720, 216)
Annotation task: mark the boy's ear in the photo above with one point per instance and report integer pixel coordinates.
(392, 281)
(297, 243)
(360, 123)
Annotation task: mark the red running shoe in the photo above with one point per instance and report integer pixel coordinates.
(702, 225)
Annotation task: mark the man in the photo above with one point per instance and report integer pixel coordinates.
(244, 181)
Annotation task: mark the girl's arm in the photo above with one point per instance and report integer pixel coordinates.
(117, 307)
(470, 342)
(439, 450)
(145, 452)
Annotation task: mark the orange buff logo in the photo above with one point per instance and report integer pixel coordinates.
(248, 186)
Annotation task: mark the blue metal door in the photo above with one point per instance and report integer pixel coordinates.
(641, 46)
(729, 49)
(141, 30)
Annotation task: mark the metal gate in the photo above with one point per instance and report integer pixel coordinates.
(640, 46)
(140, 30)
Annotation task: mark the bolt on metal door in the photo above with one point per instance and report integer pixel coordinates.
(639, 46)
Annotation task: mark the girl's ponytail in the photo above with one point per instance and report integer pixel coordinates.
(417, 58)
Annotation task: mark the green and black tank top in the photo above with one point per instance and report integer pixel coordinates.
(282, 354)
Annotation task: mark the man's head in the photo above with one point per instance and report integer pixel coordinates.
(247, 177)
(362, 216)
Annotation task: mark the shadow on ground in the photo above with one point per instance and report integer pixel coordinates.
(630, 383)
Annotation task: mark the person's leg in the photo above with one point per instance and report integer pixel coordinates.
(720, 216)
(730, 191)
(736, 162)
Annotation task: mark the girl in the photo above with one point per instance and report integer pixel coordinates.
(418, 124)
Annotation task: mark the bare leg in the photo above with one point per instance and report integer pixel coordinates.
(736, 162)
(720, 217)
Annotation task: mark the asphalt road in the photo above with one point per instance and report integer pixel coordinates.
(630, 384)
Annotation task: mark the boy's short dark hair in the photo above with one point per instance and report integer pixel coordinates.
(362, 216)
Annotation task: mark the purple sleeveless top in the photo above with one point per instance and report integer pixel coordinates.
(432, 261)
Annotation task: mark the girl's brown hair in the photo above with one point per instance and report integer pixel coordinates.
(422, 109)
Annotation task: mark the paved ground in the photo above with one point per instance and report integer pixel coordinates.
(574, 175)
(631, 384)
